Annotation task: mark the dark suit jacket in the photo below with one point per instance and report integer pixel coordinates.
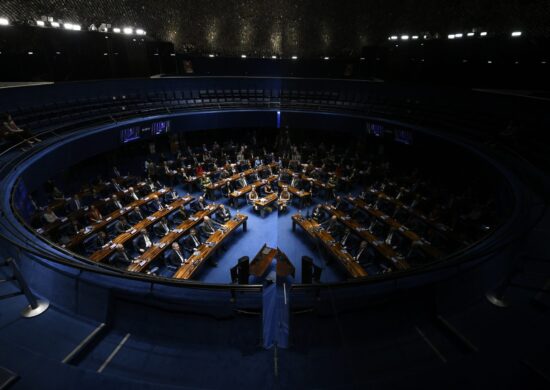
(140, 242)
(174, 260)
(118, 260)
(222, 216)
(189, 245)
(198, 206)
(134, 217)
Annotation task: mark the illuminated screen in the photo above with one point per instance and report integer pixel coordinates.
(160, 127)
(130, 134)
(403, 137)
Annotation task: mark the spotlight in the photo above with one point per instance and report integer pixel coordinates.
(4, 22)
(471, 34)
(116, 30)
(273, 57)
(451, 36)
(483, 34)
(415, 37)
(394, 38)
(40, 23)
(140, 31)
(362, 58)
(327, 58)
(460, 35)
(405, 37)
(516, 34)
(128, 30)
(243, 55)
(55, 24)
(211, 55)
(30, 53)
(77, 27)
(294, 57)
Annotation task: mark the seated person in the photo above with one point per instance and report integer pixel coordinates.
(180, 215)
(223, 214)
(199, 205)
(241, 182)
(267, 189)
(121, 226)
(361, 252)
(135, 216)
(176, 258)
(227, 189)
(330, 224)
(208, 227)
(155, 204)
(95, 242)
(49, 216)
(161, 228)
(131, 195)
(205, 182)
(75, 204)
(284, 198)
(13, 132)
(252, 197)
(191, 242)
(143, 242)
(56, 194)
(120, 258)
(94, 215)
(116, 186)
(69, 230)
(114, 205)
(171, 196)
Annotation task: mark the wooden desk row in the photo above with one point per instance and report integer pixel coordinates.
(101, 254)
(207, 248)
(381, 247)
(85, 233)
(396, 225)
(315, 232)
(141, 262)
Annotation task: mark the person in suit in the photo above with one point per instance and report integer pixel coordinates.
(121, 226)
(94, 215)
(176, 258)
(131, 195)
(180, 215)
(135, 216)
(205, 182)
(191, 242)
(241, 181)
(161, 228)
(223, 214)
(116, 172)
(199, 205)
(155, 204)
(267, 189)
(318, 214)
(143, 241)
(69, 230)
(227, 189)
(171, 196)
(208, 227)
(117, 187)
(120, 258)
(75, 204)
(115, 204)
(361, 252)
(284, 198)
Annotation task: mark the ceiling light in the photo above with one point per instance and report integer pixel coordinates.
(211, 55)
(128, 30)
(273, 57)
(405, 37)
(55, 24)
(140, 31)
(40, 23)
(451, 36)
(4, 22)
(460, 35)
(394, 38)
(243, 55)
(471, 34)
(516, 34)
(483, 34)
(68, 26)
(116, 30)
(415, 37)
(326, 58)
(294, 57)
(77, 27)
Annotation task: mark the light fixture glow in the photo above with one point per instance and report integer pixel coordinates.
(40, 23)
(273, 57)
(471, 34)
(405, 37)
(394, 37)
(55, 24)
(30, 53)
(128, 30)
(4, 22)
(116, 30)
(68, 26)
(415, 37)
(516, 34)
(483, 34)
(294, 57)
(460, 35)
(140, 31)
(326, 58)
(451, 36)
(211, 55)
(243, 55)
(77, 27)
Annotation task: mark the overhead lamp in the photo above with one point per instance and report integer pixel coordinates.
(415, 37)
(326, 58)
(140, 31)
(294, 57)
(40, 23)
(394, 38)
(471, 34)
(451, 36)
(243, 55)
(516, 34)
(211, 55)
(273, 57)
(483, 34)
(4, 22)
(55, 24)
(68, 26)
(459, 35)
(405, 37)
(128, 30)
(116, 30)
(77, 27)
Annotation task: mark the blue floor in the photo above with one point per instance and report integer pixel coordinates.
(275, 230)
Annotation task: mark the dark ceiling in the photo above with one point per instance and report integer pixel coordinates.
(306, 28)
